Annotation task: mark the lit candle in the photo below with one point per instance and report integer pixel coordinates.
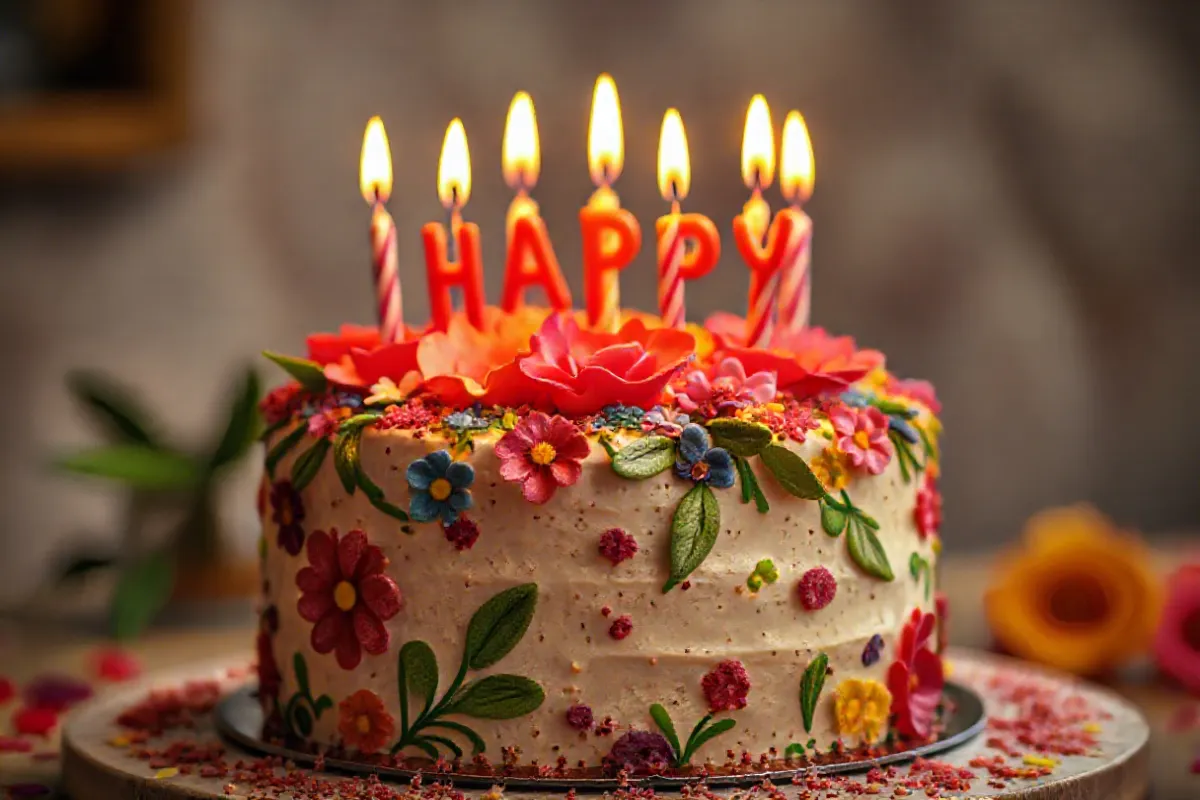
(796, 176)
(758, 169)
(375, 181)
(611, 236)
(688, 244)
(531, 260)
(465, 271)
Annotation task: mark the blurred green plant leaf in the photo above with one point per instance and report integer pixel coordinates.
(241, 425)
(142, 591)
(309, 374)
(114, 408)
(136, 465)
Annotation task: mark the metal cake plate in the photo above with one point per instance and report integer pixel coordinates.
(239, 719)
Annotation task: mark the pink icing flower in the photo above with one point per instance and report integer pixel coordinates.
(542, 453)
(928, 512)
(726, 686)
(323, 424)
(862, 434)
(1177, 642)
(729, 387)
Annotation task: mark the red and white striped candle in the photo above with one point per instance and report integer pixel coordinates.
(673, 182)
(375, 181)
(796, 177)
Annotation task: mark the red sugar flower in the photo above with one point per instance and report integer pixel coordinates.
(33, 721)
(329, 348)
(542, 453)
(364, 722)
(281, 402)
(1177, 642)
(584, 371)
(579, 717)
(462, 533)
(817, 588)
(928, 512)
(622, 626)
(726, 686)
(915, 678)
(862, 434)
(345, 592)
(616, 545)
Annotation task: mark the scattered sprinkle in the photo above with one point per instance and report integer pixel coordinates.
(166, 772)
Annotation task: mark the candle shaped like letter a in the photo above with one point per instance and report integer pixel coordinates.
(688, 244)
(611, 236)
(796, 175)
(375, 181)
(531, 260)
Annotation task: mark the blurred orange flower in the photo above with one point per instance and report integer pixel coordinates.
(1076, 594)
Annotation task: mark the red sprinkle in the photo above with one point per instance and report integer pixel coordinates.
(114, 664)
(817, 588)
(622, 626)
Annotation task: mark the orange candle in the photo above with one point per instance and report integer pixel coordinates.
(530, 261)
(688, 244)
(466, 269)
(758, 169)
(796, 175)
(611, 236)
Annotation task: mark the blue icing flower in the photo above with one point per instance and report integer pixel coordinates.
(855, 398)
(465, 421)
(697, 460)
(904, 428)
(439, 487)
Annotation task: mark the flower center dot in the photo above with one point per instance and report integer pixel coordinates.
(543, 453)
(699, 471)
(440, 489)
(344, 595)
(1191, 630)
(862, 439)
(363, 723)
(1078, 600)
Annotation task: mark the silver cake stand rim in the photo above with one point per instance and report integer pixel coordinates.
(239, 719)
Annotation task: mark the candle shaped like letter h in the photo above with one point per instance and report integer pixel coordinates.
(611, 236)
(796, 177)
(688, 244)
(375, 181)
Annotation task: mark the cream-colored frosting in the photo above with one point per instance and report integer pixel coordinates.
(676, 638)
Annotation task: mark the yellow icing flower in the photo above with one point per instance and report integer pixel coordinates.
(830, 469)
(386, 391)
(861, 709)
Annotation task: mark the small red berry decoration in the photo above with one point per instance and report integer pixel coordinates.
(622, 626)
(579, 717)
(817, 588)
(462, 533)
(616, 545)
(726, 686)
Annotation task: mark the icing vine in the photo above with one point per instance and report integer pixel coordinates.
(919, 567)
(701, 733)
(494, 630)
(838, 516)
(303, 709)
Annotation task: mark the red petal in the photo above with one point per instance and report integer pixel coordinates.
(313, 607)
(325, 348)
(349, 653)
(370, 632)
(328, 631)
(350, 551)
(517, 469)
(35, 721)
(389, 361)
(373, 562)
(381, 595)
(321, 549)
(309, 581)
(538, 487)
(565, 473)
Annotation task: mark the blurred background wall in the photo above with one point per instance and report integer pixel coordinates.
(1006, 204)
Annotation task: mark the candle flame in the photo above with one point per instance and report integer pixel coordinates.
(454, 167)
(606, 140)
(521, 158)
(758, 145)
(674, 168)
(796, 170)
(375, 166)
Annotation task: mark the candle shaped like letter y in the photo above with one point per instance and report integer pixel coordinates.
(611, 236)
(463, 269)
(688, 244)
(531, 260)
(375, 181)
(796, 177)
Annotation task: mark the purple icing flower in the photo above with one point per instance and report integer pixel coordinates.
(640, 752)
(871, 652)
(56, 692)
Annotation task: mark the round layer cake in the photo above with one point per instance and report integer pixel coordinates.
(734, 569)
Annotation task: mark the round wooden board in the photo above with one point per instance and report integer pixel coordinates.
(95, 768)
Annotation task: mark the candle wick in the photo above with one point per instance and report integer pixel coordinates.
(675, 195)
(452, 223)
(604, 172)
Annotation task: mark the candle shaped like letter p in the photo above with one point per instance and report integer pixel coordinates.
(688, 244)
(375, 181)
(531, 261)
(611, 236)
(466, 270)
(796, 175)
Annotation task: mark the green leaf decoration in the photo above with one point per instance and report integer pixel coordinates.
(282, 448)
(918, 566)
(833, 518)
(792, 472)
(426, 746)
(114, 408)
(694, 530)
(300, 669)
(358, 422)
(498, 625)
(751, 490)
(303, 720)
(663, 720)
(644, 458)
(711, 732)
(477, 743)
(811, 685)
(375, 495)
(446, 743)
(793, 750)
(142, 591)
(419, 672)
(740, 437)
(323, 704)
(499, 697)
(308, 374)
(306, 467)
(241, 426)
(345, 458)
(136, 465)
(866, 551)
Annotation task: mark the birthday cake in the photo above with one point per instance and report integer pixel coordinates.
(534, 541)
